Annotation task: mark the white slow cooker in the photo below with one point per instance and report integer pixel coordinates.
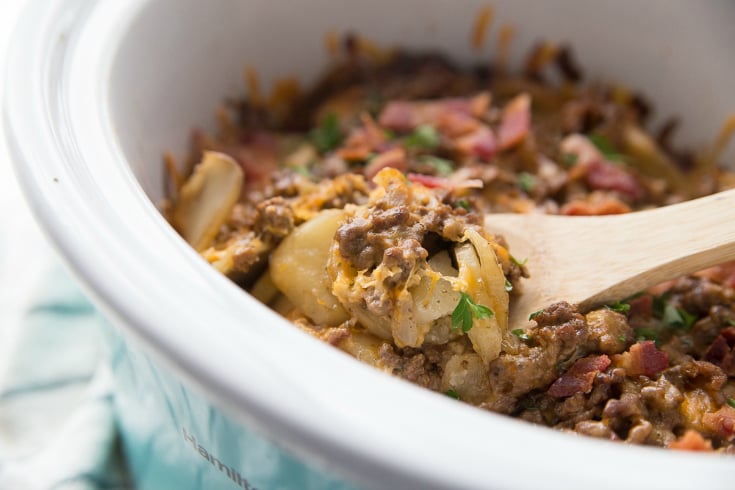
(213, 389)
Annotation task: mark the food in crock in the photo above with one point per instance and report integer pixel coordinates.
(355, 210)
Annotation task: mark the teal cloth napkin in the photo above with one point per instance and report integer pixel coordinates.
(57, 425)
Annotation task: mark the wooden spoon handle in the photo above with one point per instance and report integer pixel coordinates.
(650, 247)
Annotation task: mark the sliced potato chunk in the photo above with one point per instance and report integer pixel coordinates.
(298, 268)
(206, 199)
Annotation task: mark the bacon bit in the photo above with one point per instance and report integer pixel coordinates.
(397, 115)
(641, 306)
(721, 422)
(599, 173)
(691, 441)
(480, 143)
(395, 158)
(722, 351)
(602, 175)
(595, 204)
(434, 182)
(580, 377)
(455, 124)
(582, 149)
(722, 274)
(404, 116)
(258, 156)
(481, 25)
(363, 141)
(516, 121)
(643, 358)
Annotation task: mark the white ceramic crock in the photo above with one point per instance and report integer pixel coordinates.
(215, 390)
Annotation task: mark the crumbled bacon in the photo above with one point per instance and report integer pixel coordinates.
(580, 377)
(363, 140)
(516, 122)
(434, 182)
(643, 358)
(402, 115)
(691, 441)
(607, 176)
(480, 144)
(722, 351)
(395, 158)
(721, 422)
(641, 306)
(595, 204)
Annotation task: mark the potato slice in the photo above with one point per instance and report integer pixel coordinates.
(206, 199)
(298, 268)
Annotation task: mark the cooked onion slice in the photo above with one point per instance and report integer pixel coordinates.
(206, 199)
(479, 276)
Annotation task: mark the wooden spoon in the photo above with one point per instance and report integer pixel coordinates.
(594, 260)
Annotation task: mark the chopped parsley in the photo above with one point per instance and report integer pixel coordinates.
(464, 204)
(526, 181)
(731, 322)
(619, 306)
(465, 310)
(328, 135)
(622, 337)
(304, 171)
(606, 147)
(442, 166)
(659, 304)
(678, 317)
(452, 393)
(731, 402)
(570, 159)
(535, 314)
(521, 334)
(520, 263)
(424, 137)
(646, 334)
(508, 286)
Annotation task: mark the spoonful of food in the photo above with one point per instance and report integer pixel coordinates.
(594, 260)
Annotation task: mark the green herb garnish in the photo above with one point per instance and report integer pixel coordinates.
(463, 203)
(465, 310)
(622, 337)
(508, 286)
(731, 402)
(452, 393)
(520, 263)
(442, 166)
(646, 334)
(521, 334)
(570, 159)
(304, 171)
(605, 146)
(731, 322)
(619, 306)
(328, 135)
(535, 314)
(677, 317)
(526, 181)
(424, 137)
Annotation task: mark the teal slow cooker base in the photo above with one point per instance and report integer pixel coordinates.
(174, 439)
